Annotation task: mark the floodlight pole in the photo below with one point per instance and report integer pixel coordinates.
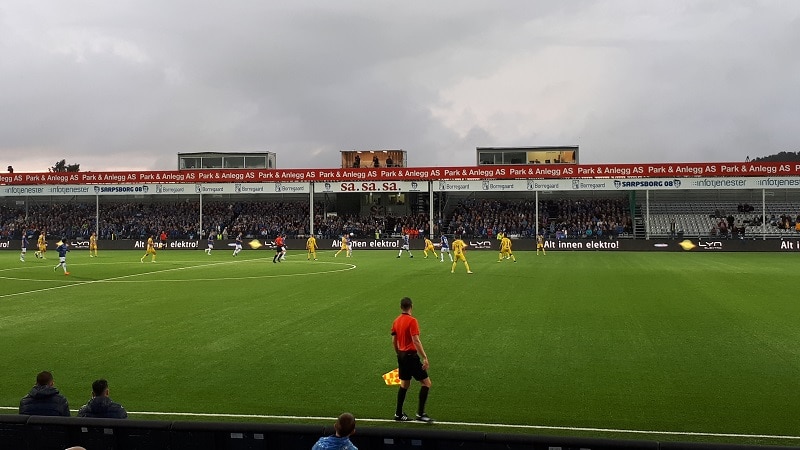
(536, 216)
(763, 214)
(200, 231)
(430, 210)
(311, 210)
(646, 214)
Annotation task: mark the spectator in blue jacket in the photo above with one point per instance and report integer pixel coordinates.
(345, 426)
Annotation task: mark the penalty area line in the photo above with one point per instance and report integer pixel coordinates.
(468, 424)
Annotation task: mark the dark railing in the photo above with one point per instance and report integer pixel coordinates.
(58, 433)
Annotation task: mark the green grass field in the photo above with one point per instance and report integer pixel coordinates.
(619, 345)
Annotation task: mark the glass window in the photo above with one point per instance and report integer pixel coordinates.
(190, 163)
(234, 162)
(212, 163)
(255, 162)
(486, 158)
(514, 158)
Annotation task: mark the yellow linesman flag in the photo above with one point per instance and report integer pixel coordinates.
(392, 378)
(59, 243)
(255, 243)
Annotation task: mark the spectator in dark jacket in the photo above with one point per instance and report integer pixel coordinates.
(44, 399)
(101, 404)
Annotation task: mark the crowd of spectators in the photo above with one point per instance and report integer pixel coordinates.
(371, 225)
(559, 219)
(480, 218)
(586, 218)
(180, 220)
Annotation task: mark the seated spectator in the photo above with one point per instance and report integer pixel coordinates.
(44, 399)
(101, 404)
(345, 426)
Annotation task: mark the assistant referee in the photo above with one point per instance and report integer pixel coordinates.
(407, 345)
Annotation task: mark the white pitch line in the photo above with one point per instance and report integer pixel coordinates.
(121, 277)
(349, 266)
(468, 424)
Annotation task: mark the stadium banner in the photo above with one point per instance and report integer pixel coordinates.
(670, 245)
(298, 246)
(497, 172)
(617, 184)
(371, 186)
(252, 188)
(576, 184)
(156, 189)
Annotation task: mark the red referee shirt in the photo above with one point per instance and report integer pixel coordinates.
(403, 328)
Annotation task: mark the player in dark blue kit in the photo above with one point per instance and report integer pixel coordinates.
(210, 242)
(238, 245)
(62, 250)
(24, 247)
(445, 248)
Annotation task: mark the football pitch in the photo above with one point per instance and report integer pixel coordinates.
(657, 346)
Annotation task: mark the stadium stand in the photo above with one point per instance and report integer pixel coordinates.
(561, 217)
(181, 220)
(706, 219)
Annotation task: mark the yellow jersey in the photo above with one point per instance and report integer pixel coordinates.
(458, 247)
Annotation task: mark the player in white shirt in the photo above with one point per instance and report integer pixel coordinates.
(405, 247)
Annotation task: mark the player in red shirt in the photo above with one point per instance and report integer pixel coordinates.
(407, 345)
(278, 249)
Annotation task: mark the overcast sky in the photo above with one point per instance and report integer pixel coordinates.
(124, 84)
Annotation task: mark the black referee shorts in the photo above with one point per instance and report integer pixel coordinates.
(410, 366)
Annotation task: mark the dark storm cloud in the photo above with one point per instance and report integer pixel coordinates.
(130, 85)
